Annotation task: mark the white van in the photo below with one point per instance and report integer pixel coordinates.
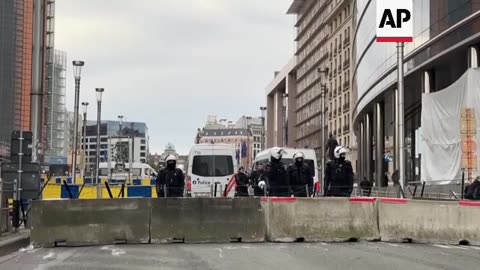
(122, 171)
(209, 164)
(287, 159)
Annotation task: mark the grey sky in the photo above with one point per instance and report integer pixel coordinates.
(170, 63)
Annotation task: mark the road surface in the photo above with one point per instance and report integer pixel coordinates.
(358, 256)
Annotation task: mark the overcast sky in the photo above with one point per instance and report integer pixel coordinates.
(170, 63)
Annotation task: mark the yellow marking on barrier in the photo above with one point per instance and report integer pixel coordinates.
(52, 192)
(145, 182)
(88, 192)
(10, 202)
(79, 181)
(154, 192)
(115, 191)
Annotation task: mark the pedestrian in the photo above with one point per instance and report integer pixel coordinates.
(259, 181)
(366, 187)
(385, 179)
(331, 145)
(241, 180)
(277, 175)
(170, 181)
(300, 177)
(472, 191)
(339, 175)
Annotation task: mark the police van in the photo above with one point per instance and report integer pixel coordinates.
(209, 168)
(287, 159)
(122, 172)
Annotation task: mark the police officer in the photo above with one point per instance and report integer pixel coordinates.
(242, 182)
(300, 177)
(170, 181)
(339, 174)
(259, 181)
(277, 175)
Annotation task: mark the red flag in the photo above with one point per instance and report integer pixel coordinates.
(232, 184)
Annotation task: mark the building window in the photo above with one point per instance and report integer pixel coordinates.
(142, 147)
(143, 141)
(142, 160)
(104, 139)
(142, 154)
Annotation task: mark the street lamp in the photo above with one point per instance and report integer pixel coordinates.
(120, 119)
(262, 110)
(85, 159)
(323, 93)
(99, 92)
(77, 72)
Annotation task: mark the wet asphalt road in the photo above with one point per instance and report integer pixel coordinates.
(358, 256)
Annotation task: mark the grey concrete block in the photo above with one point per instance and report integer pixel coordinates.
(207, 220)
(90, 222)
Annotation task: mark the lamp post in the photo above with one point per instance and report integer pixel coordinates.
(85, 159)
(77, 72)
(323, 93)
(99, 92)
(262, 110)
(120, 127)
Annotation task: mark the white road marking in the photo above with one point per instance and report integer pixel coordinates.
(50, 255)
(220, 252)
(29, 248)
(443, 246)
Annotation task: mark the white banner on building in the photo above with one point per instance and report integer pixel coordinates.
(441, 137)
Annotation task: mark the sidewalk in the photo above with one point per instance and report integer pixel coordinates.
(12, 242)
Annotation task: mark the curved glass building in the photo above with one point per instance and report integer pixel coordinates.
(446, 36)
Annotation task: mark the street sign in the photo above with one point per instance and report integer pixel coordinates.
(394, 21)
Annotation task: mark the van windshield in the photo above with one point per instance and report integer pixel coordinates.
(212, 165)
(288, 161)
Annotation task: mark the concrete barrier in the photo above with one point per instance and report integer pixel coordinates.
(90, 222)
(321, 219)
(440, 222)
(207, 220)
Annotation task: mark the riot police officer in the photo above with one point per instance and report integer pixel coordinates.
(170, 181)
(339, 174)
(277, 175)
(259, 181)
(300, 177)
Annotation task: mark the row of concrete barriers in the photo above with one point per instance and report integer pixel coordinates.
(220, 220)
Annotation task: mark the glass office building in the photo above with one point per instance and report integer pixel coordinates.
(446, 36)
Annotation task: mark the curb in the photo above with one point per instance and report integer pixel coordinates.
(13, 243)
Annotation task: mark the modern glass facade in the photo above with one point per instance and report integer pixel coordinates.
(17, 66)
(444, 32)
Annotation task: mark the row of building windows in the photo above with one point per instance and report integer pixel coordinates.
(309, 15)
(313, 141)
(342, 16)
(309, 126)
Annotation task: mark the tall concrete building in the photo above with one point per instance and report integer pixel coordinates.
(281, 117)
(134, 133)
(446, 43)
(24, 41)
(339, 90)
(311, 97)
(255, 126)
